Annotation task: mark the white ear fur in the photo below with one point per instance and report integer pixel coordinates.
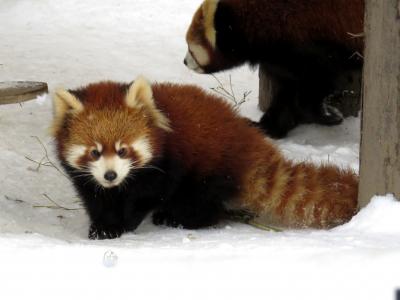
(63, 102)
(140, 95)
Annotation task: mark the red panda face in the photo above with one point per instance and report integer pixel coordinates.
(108, 144)
(205, 54)
(108, 133)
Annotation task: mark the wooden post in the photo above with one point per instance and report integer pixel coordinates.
(380, 133)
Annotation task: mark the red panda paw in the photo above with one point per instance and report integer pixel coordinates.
(100, 233)
(162, 217)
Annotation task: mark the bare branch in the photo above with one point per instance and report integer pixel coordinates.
(356, 35)
(47, 161)
(14, 199)
(229, 94)
(56, 205)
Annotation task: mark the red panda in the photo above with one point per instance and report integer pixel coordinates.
(186, 156)
(306, 46)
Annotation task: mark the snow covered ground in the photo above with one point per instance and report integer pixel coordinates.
(44, 252)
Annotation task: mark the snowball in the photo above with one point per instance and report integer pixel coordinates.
(110, 259)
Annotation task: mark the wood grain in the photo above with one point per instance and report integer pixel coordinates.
(19, 91)
(380, 147)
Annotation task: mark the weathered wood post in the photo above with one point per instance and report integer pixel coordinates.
(380, 133)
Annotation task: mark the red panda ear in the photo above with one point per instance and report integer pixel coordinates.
(140, 96)
(209, 8)
(64, 102)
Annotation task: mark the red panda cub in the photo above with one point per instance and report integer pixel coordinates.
(309, 48)
(186, 156)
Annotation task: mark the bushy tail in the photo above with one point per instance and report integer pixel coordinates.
(300, 195)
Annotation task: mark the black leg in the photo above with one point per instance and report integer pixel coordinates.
(197, 203)
(300, 102)
(313, 102)
(281, 115)
(306, 78)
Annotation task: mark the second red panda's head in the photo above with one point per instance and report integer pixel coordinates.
(213, 39)
(107, 130)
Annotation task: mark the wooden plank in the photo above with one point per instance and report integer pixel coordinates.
(380, 147)
(19, 91)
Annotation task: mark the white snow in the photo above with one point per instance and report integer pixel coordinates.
(45, 252)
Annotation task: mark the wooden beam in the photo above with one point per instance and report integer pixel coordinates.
(19, 91)
(380, 133)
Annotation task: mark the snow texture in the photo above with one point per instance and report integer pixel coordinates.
(45, 251)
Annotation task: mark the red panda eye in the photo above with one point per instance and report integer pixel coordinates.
(95, 153)
(121, 152)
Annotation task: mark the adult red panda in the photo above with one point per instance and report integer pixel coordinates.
(188, 157)
(306, 46)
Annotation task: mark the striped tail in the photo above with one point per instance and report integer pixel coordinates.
(299, 195)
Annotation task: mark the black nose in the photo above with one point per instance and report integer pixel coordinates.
(110, 175)
(185, 62)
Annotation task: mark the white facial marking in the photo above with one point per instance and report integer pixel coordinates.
(114, 163)
(143, 149)
(192, 64)
(99, 147)
(73, 154)
(119, 145)
(200, 54)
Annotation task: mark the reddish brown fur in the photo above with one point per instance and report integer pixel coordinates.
(300, 21)
(210, 138)
(303, 20)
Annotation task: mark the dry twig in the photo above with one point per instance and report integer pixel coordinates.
(54, 206)
(356, 35)
(358, 54)
(14, 199)
(229, 94)
(246, 217)
(45, 160)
